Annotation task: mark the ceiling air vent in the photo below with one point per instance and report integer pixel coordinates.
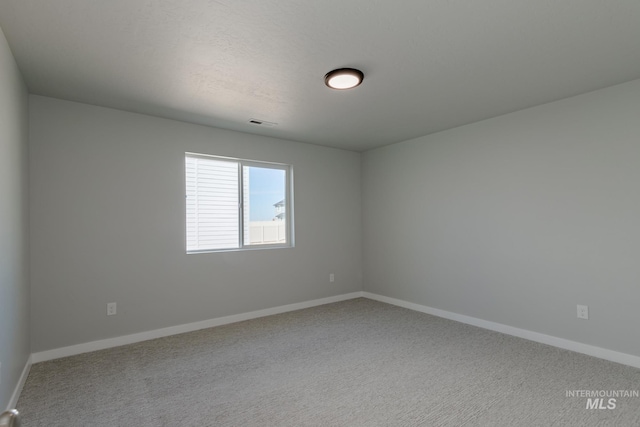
(262, 123)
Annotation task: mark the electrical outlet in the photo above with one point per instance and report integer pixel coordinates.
(332, 278)
(583, 312)
(111, 309)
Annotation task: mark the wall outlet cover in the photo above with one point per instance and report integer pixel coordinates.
(111, 309)
(583, 312)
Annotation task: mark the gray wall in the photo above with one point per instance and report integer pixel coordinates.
(108, 221)
(14, 282)
(516, 219)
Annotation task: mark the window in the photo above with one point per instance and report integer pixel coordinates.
(237, 204)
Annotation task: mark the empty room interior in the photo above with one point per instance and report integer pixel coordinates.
(337, 213)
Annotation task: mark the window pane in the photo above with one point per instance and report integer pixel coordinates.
(220, 215)
(264, 192)
(212, 204)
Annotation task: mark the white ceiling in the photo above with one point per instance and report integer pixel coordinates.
(429, 65)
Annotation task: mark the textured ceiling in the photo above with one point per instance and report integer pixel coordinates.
(429, 65)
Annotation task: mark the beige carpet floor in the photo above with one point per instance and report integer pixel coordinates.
(353, 363)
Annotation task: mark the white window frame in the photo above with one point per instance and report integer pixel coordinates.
(289, 221)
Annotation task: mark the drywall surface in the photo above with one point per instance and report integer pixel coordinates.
(516, 219)
(108, 225)
(14, 280)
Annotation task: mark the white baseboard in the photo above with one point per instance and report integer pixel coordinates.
(23, 378)
(590, 350)
(602, 353)
(189, 327)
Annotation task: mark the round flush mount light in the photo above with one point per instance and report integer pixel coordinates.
(343, 78)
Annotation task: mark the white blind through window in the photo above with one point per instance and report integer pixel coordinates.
(212, 204)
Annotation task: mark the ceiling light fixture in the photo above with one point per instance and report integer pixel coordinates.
(343, 78)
